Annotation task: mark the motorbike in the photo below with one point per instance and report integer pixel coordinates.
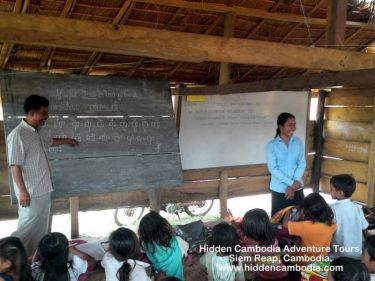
(196, 208)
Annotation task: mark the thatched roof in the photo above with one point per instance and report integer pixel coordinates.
(284, 21)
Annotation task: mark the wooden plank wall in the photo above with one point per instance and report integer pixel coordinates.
(198, 184)
(347, 138)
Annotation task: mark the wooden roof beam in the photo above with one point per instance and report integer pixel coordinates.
(249, 12)
(208, 31)
(119, 19)
(147, 42)
(357, 78)
(46, 59)
(20, 6)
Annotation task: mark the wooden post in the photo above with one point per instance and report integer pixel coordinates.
(223, 192)
(224, 77)
(318, 142)
(371, 165)
(74, 208)
(154, 199)
(336, 23)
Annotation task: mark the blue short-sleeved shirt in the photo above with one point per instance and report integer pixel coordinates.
(286, 163)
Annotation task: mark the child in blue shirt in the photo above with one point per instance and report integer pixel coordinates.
(160, 243)
(350, 220)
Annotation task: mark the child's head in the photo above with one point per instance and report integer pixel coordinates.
(13, 258)
(368, 255)
(316, 209)
(256, 225)
(348, 269)
(53, 252)
(154, 229)
(170, 279)
(123, 245)
(224, 236)
(342, 186)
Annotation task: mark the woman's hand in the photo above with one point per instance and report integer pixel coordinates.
(289, 193)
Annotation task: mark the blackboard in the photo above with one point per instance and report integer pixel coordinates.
(125, 127)
(234, 129)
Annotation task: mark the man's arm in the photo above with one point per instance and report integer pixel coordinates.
(24, 197)
(71, 142)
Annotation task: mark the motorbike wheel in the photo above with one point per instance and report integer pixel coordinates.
(199, 211)
(122, 215)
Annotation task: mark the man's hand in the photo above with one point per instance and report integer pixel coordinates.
(24, 199)
(72, 142)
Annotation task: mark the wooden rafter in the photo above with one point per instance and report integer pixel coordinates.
(20, 6)
(252, 32)
(172, 45)
(135, 66)
(120, 18)
(46, 59)
(208, 31)
(260, 23)
(249, 12)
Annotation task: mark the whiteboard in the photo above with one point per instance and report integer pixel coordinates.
(234, 129)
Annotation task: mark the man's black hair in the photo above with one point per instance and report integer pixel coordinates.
(35, 102)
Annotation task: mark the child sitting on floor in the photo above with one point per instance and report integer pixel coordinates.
(256, 230)
(348, 269)
(14, 264)
(350, 220)
(51, 261)
(158, 239)
(120, 263)
(316, 229)
(218, 263)
(368, 256)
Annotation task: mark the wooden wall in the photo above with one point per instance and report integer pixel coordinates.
(347, 138)
(198, 184)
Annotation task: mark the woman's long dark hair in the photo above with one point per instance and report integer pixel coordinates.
(124, 245)
(53, 251)
(257, 226)
(154, 229)
(225, 236)
(281, 120)
(12, 249)
(316, 209)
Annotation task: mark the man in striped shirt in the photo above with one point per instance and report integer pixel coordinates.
(31, 172)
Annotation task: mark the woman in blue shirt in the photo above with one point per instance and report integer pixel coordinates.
(286, 163)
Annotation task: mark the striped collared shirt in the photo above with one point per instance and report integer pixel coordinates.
(27, 148)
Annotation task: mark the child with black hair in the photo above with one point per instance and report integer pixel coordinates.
(218, 263)
(158, 239)
(316, 229)
(51, 261)
(368, 256)
(348, 270)
(120, 263)
(350, 220)
(170, 279)
(14, 265)
(256, 230)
